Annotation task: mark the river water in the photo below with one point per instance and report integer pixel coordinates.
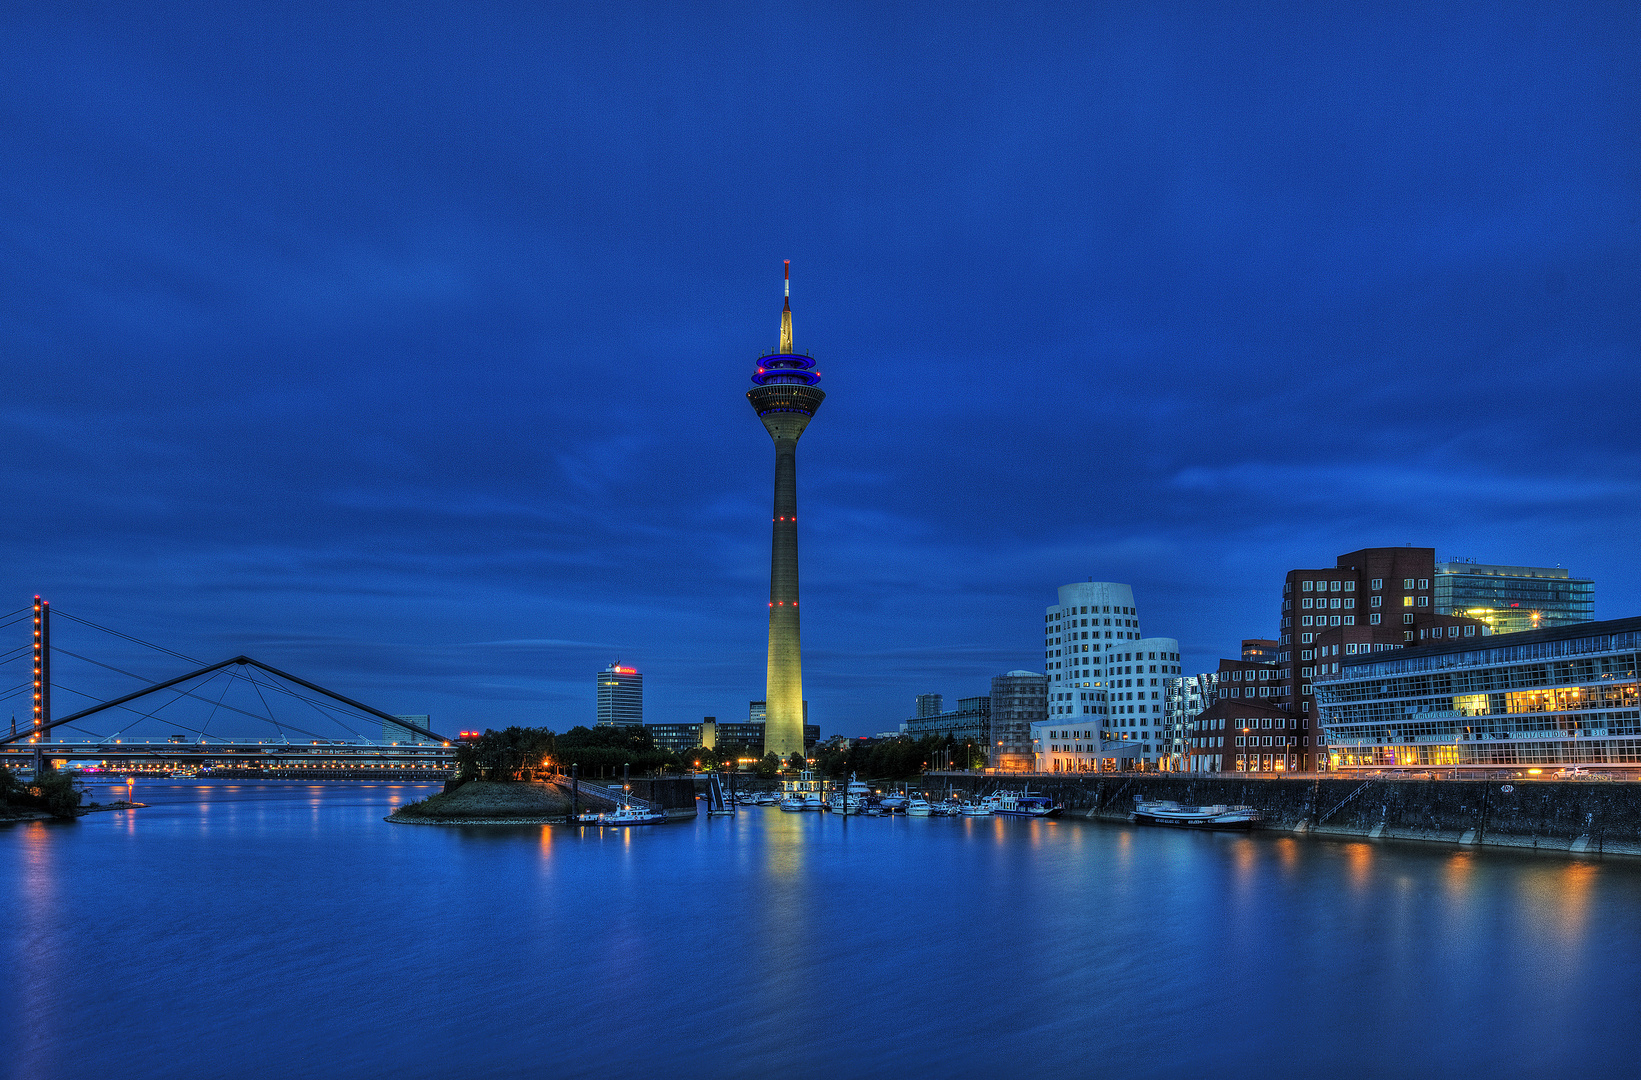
(284, 929)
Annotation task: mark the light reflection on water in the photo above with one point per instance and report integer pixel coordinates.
(285, 929)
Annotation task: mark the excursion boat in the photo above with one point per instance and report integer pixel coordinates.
(919, 807)
(1025, 804)
(626, 815)
(1220, 817)
(806, 791)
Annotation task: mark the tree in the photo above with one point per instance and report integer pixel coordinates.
(512, 754)
(607, 749)
(797, 762)
(769, 767)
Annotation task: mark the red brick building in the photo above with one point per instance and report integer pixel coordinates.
(1371, 600)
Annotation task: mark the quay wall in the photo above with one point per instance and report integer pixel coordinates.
(1576, 816)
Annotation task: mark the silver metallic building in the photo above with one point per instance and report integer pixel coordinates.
(1566, 697)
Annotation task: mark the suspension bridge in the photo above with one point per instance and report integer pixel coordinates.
(236, 717)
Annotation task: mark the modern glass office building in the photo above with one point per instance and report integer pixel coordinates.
(750, 736)
(1511, 599)
(620, 697)
(1534, 700)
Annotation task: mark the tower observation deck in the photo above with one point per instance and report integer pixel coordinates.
(785, 399)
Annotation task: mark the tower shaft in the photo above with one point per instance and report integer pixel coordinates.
(785, 399)
(783, 721)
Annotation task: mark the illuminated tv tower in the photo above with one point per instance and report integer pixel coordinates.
(785, 398)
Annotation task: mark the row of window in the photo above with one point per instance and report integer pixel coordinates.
(1265, 740)
(1087, 609)
(1331, 602)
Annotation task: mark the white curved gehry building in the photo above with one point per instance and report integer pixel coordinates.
(1107, 682)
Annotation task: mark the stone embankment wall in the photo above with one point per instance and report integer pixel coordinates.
(1579, 816)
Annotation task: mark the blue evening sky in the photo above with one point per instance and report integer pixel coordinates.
(404, 345)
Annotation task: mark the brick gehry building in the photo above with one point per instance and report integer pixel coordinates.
(1265, 717)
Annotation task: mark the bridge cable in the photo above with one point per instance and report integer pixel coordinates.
(218, 704)
(255, 686)
(128, 637)
(318, 706)
(116, 734)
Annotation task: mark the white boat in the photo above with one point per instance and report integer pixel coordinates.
(845, 804)
(627, 814)
(1025, 804)
(919, 807)
(767, 798)
(979, 809)
(792, 804)
(851, 800)
(813, 801)
(1219, 817)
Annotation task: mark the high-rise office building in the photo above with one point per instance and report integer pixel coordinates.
(785, 399)
(929, 704)
(1510, 599)
(620, 697)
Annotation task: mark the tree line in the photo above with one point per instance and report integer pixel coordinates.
(53, 792)
(517, 753)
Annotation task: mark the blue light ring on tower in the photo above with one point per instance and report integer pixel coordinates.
(788, 368)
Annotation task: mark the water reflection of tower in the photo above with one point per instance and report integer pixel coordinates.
(785, 398)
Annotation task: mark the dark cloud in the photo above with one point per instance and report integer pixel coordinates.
(407, 346)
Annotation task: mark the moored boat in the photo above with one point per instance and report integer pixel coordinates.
(1218, 817)
(1025, 804)
(919, 807)
(626, 814)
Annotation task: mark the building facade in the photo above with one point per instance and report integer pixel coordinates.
(620, 697)
(1094, 654)
(1263, 650)
(393, 733)
(1018, 700)
(1526, 702)
(1120, 723)
(1186, 696)
(930, 705)
(1510, 599)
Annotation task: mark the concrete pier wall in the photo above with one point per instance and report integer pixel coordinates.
(1575, 816)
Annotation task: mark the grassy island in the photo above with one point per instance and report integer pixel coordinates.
(489, 801)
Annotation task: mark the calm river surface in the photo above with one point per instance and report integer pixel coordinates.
(284, 929)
